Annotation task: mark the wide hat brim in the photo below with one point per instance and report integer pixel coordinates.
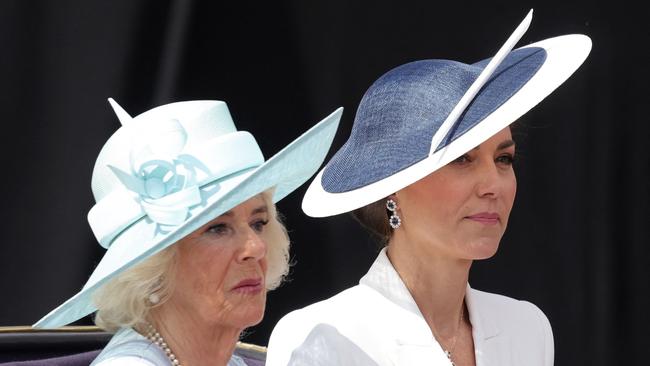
(285, 172)
(564, 54)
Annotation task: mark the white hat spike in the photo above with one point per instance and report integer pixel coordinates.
(122, 115)
(479, 82)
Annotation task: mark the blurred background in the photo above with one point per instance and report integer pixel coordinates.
(578, 240)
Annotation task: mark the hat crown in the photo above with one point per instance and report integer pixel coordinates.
(199, 121)
(396, 119)
(409, 97)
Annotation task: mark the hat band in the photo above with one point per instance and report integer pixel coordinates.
(164, 190)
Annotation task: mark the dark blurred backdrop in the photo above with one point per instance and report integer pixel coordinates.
(579, 235)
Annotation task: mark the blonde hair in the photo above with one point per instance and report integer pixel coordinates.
(125, 300)
(278, 246)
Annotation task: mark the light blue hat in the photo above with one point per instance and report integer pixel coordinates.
(169, 171)
(420, 116)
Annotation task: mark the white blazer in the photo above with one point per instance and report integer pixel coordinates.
(378, 323)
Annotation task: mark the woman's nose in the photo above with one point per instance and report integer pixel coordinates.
(254, 247)
(489, 181)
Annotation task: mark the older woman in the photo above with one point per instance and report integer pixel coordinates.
(428, 167)
(185, 207)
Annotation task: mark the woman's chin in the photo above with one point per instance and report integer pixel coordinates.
(251, 319)
(251, 316)
(483, 249)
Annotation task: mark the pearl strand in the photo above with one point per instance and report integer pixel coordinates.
(154, 336)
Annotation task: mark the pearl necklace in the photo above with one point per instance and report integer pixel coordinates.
(154, 336)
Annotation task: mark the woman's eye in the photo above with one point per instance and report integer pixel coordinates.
(258, 225)
(219, 229)
(462, 159)
(506, 159)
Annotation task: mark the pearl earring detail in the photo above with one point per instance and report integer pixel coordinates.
(154, 298)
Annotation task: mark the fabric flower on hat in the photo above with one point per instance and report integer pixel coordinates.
(163, 178)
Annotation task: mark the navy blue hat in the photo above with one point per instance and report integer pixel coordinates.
(420, 116)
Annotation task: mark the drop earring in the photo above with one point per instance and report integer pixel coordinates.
(394, 221)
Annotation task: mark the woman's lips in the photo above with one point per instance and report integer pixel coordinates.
(249, 286)
(486, 218)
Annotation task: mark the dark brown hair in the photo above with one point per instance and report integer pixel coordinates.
(374, 218)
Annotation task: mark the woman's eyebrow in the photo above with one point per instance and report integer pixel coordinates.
(261, 209)
(506, 144)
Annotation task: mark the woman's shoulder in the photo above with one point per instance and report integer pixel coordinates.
(520, 321)
(320, 328)
(125, 361)
(507, 309)
(128, 347)
(350, 302)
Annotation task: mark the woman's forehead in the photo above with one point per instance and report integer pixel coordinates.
(254, 205)
(501, 140)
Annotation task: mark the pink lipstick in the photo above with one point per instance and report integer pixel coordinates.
(486, 218)
(248, 286)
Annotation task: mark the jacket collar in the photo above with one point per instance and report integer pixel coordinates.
(484, 326)
(383, 278)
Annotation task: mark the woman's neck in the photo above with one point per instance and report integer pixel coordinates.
(193, 341)
(436, 281)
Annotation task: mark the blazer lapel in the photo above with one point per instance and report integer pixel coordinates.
(485, 332)
(414, 343)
